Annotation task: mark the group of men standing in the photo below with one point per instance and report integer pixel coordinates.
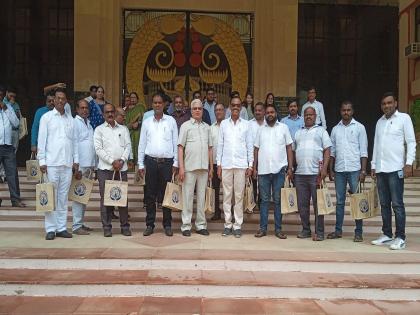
(227, 153)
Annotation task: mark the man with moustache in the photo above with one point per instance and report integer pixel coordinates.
(347, 164)
(180, 115)
(49, 105)
(158, 154)
(234, 164)
(58, 153)
(273, 159)
(195, 168)
(318, 106)
(209, 104)
(293, 121)
(219, 112)
(113, 146)
(391, 163)
(83, 133)
(312, 148)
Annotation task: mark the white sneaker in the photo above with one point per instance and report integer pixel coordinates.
(398, 243)
(383, 240)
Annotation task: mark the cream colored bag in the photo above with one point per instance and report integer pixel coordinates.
(138, 180)
(249, 202)
(45, 195)
(288, 198)
(23, 128)
(33, 171)
(374, 204)
(81, 189)
(173, 196)
(210, 196)
(324, 200)
(359, 204)
(115, 192)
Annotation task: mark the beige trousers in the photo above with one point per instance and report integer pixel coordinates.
(233, 182)
(195, 179)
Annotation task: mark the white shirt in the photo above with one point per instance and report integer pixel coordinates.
(159, 139)
(349, 144)
(235, 147)
(111, 144)
(319, 110)
(8, 121)
(388, 148)
(83, 133)
(272, 142)
(243, 113)
(214, 131)
(57, 145)
(254, 126)
(309, 147)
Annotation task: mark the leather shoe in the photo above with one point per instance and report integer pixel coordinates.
(334, 235)
(64, 234)
(18, 204)
(50, 236)
(304, 235)
(87, 228)
(204, 232)
(81, 231)
(168, 231)
(186, 233)
(148, 231)
(318, 238)
(126, 232)
(107, 233)
(281, 235)
(260, 233)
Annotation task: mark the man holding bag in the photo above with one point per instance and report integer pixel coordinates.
(347, 164)
(83, 132)
(113, 146)
(195, 167)
(312, 148)
(272, 155)
(57, 154)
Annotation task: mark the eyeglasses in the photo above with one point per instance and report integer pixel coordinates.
(197, 108)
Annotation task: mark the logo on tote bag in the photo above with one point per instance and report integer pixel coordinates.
(43, 198)
(291, 200)
(115, 193)
(364, 206)
(80, 189)
(34, 171)
(175, 197)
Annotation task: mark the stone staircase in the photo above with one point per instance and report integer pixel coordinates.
(213, 267)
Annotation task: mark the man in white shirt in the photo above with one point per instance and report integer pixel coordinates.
(83, 132)
(219, 111)
(234, 164)
(347, 164)
(255, 124)
(391, 163)
(57, 153)
(272, 156)
(158, 154)
(312, 153)
(113, 146)
(319, 108)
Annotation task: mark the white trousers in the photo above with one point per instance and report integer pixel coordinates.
(233, 182)
(56, 221)
(195, 179)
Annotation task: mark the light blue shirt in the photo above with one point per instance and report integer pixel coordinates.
(210, 109)
(148, 114)
(349, 144)
(8, 121)
(293, 124)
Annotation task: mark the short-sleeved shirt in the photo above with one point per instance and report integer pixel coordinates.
(310, 144)
(293, 124)
(214, 130)
(195, 137)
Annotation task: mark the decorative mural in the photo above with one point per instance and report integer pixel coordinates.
(159, 57)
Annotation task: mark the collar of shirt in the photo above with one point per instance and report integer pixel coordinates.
(290, 117)
(109, 125)
(57, 113)
(314, 126)
(352, 122)
(195, 121)
(163, 118)
(264, 121)
(393, 115)
(275, 124)
(232, 122)
(87, 120)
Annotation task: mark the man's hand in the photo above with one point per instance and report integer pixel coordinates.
(78, 175)
(362, 176)
(408, 171)
(211, 173)
(323, 174)
(75, 167)
(373, 173)
(248, 172)
(43, 168)
(174, 170)
(141, 172)
(60, 85)
(34, 149)
(116, 165)
(331, 175)
(2, 105)
(254, 174)
(219, 172)
(181, 174)
(290, 174)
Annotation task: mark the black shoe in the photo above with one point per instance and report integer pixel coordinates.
(260, 233)
(86, 228)
(126, 232)
(186, 233)
(358, 238)
(216, 217)
(107, 233)
(18, 204)
(334, 235)
(168, 231)
(304, 235)
(204, 232)
(114, 216)
(148, 231)
(64, 234)
(1, 200)
(281, 235)
(50, 236)
(319, 238)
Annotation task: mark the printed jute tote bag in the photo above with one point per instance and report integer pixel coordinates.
(359, 203)
(33, 171)
(288, 198)
(138, 180)
(81, 189)
(173, 195)
(249, 202)
(45, 195)
(115, 192)
(324, 200)
(210, 197)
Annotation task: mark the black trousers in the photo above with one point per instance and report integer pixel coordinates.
(8, 159)
(216, 185)
(157, 175)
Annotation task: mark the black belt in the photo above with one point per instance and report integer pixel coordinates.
(159, 160)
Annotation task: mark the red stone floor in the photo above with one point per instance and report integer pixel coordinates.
(156, 305)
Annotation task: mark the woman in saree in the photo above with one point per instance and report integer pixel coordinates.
(96, 108)
(133, 118)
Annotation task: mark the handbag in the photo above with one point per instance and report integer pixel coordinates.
(373, 197)
(288, 198)
(173, 195)
(33, 171)
(209, 200)
(249, 202)
(45, 195)
(138, 180)
(324, 200)
(23, 128)
(81, 189)
(359, 204)
(115, 192)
